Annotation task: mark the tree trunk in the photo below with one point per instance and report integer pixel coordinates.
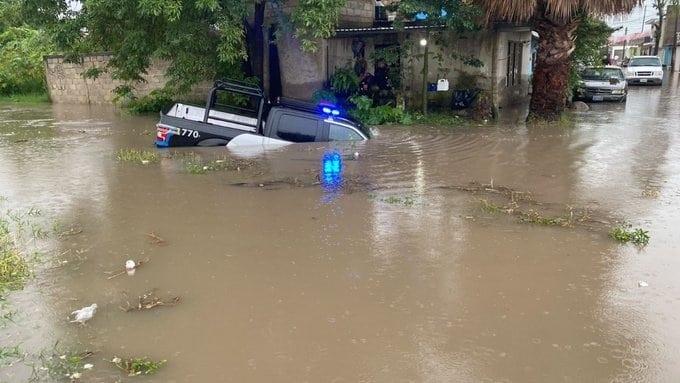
(657, 33)
(551, 75)
(257, 59)
(255, 43)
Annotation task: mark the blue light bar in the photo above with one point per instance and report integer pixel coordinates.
(326, 110)
(335, 112)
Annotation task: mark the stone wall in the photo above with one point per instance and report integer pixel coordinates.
(357, 13)
(65, 82)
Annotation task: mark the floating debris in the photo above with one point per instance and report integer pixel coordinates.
(85, 314)
(138, 366)
(643, 284)
(59, 364)
(71, 231)
(148, 301)
(138, 264)
(155, 239)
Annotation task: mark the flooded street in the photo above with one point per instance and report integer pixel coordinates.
(393, 269)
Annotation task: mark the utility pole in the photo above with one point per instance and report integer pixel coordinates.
(625, 40)
(674, 38)
(425, 43)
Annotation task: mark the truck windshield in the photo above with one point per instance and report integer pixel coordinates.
(645, 61)
(601, 74)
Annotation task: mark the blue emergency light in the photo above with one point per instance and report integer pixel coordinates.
(331, 170)
(330, 111)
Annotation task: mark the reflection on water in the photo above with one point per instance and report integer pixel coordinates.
(322, 265)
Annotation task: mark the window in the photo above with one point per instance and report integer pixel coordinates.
(514, 63)
(297, 128)
(343, 133)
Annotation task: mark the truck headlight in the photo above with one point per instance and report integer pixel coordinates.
(660, 73)
(617, 91)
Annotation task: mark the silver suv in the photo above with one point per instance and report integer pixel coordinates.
(602, 84)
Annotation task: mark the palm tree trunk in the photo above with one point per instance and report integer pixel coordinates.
(551, 74)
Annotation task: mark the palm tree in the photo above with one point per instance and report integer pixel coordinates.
(555, 22)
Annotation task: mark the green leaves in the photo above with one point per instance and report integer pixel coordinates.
(169, 9)
(21, 65)
(314, 20)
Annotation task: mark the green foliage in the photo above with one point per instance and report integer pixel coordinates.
(393, 57)
(61, 364)
(28, 98)
(9, 353)
(324, 95)
(626, 234)
(153, 102)
(138, 366)
(142, 156)
(316, 19)
(345, 81)
(591, 37)
(14, 269)
(21, 60)
(383, 114)
(201, 39)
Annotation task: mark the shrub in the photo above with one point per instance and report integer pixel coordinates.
(154, 102)
(21, 60)
(344, 81)
(324, 95)
(383, 114)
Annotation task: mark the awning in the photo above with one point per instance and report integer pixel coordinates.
(381, 29)
(618, 40)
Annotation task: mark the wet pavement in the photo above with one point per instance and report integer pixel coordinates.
(387, 270)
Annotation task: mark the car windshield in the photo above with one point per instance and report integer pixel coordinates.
(603, 74)
(645, 61)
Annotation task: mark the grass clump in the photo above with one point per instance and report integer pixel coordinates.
(29, 98)
(9, 352)
(536, 218)
(143, 156)
(138, 366)
(626, 234)
(396, 200)
(14, 270)
(60, 364)
(492, 208)
(194, 164)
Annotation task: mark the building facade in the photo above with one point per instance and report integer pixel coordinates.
(499, 58)
(634, 32)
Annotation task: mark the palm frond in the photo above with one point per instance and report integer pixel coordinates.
(523, 10)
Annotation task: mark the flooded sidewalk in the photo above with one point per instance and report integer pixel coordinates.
(433, 254)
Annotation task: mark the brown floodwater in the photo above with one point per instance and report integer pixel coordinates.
(388, 271)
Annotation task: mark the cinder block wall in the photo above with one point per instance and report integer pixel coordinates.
(66, 85)
(358, 13)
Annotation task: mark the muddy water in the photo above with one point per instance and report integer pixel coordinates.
(382, 273)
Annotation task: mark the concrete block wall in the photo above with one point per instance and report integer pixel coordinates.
(358, 13)
(66, 85)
